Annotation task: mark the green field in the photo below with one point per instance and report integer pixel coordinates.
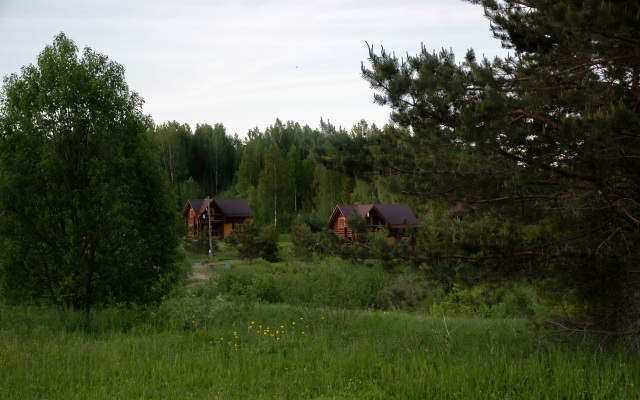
(289, 353)
(204, 344)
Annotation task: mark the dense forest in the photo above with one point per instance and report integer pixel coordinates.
(284, 171)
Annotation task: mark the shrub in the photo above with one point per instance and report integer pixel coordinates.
(268, 243)
(303, 239)
(252, 243)
(199, 244)
(407, 292)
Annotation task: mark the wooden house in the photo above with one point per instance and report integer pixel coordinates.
(226, 215)
(395, 217)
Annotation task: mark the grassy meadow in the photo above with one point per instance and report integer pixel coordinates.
(225, 339)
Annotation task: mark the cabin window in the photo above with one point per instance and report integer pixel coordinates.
(341, 222)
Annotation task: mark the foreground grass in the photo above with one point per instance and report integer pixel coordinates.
(275, 351)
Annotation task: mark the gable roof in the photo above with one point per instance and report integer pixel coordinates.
(348, 209)
(393, 214)
(397, 214)
(229, 207)
(195, 204)
(234, 207)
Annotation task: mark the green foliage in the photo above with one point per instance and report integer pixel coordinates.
(303, 239)
(380, 248)
(328, 192)
(86, 216)
(245, 240)
(252, 242)
(537, 152)
(171, 139)
(485, 301)
(295, 175)
(188, 189)
(272, 190)
(268, 243)
(199, 244)
(331, 283)
(243, 282)
(213, 158)
(409, 291)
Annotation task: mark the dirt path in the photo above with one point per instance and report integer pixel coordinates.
(199, 271)
(196, 274)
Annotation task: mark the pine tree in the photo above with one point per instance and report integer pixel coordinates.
(541, 146)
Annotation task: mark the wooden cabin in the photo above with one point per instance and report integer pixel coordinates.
(226, 216)
(395, 217)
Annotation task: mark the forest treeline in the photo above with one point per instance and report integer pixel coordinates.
(284, 170)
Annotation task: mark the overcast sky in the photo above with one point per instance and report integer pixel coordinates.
(245, 63)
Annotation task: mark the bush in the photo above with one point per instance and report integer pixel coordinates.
(486, 301)
(252, 283)
(330, 283)
(252, 243)
(302, 239)
(199, 244)
(268, 243)
(407, 292)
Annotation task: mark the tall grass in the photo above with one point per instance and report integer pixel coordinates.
(211, 349)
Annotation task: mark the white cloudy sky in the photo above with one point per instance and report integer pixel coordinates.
(244, 63)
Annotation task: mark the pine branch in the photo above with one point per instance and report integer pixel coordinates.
(589, 64)
(429, 194)
(521, 197)
(537, 117)
(557, 170)
(522, 3)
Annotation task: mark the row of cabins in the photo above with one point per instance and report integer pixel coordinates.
(227, 215)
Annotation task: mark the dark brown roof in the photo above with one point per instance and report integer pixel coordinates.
(397, 214)
(394, 214)
(229, 207)
(233, 207)
(196, 204)
(348, 209)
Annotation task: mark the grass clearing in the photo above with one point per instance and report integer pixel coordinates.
(293, 353)
(293, 330)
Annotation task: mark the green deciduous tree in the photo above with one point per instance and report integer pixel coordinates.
(272, 188)
(189, 189)
(328, 190)
(213, 157)
(251, 163)
(85, 213)
(542, 147)
(172, 140)
(295, 175)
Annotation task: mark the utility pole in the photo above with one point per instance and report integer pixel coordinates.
(209, 218)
